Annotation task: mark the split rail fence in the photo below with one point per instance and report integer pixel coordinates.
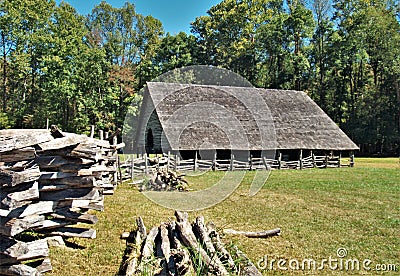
(138, 164)
(48, 181)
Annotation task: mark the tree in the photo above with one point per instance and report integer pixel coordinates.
(129, 40)
(368, 37)
(175, 51)
(25, 36)
(227, 34)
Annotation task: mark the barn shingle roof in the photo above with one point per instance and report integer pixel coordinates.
(214, 114)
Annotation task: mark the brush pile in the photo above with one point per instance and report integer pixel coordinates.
(181, 248)
(166, 180)
(49, 180)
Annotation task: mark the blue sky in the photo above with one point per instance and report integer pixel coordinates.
(175, 15)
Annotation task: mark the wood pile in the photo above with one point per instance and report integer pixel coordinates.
(181, 248)
(49, 180)
(165, 180)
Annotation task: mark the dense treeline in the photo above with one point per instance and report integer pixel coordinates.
(81, 70)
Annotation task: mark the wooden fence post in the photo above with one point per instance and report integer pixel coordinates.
(280, 160)
(351, 159)
(91, 131)
(267, 167)
(301, 159)
(340, 158)
(214, 165)
(118, 174)
(176, 162)
(326, 160)
(313, 159)
(251, 162)
(146, 169)
(47, 123)
(168, 160)
(195, 162)
(100, 134)
(231, 162)
(133, 166)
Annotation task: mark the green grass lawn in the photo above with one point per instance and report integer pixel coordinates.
(318, 211)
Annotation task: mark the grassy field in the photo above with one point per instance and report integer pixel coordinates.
(318, 210)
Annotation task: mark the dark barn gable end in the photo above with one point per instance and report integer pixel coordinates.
(209, 116)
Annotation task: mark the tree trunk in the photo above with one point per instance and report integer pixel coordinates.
(189, 239)
(3, 40)
(397, 87)
(260, 234)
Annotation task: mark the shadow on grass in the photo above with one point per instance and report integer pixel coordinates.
(73, 245)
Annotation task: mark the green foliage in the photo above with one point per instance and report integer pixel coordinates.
(79, 71)
(4, 122)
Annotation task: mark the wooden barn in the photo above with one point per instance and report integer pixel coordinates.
(189, 118)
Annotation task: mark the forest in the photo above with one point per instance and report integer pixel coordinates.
(81, 70)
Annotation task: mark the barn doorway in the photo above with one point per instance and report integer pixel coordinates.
(149, 141)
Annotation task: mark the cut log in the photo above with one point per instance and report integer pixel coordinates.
(133, 258)
(74, 217)
(180, 253)
(148, 247)
(86, 150)
(200, 231)
(182, 261)
(12, 251)
(118, 146)
(13, 199)
(49, 224)
(165, 248)
(71, 181)
(36, 249)
(249, 268)
(220, 247)
(41, 207)
(99, 143)
(260, 234)
(18, 166)
(159, 265)
(53, 162)
(189, 239)
(11, 227)
(174, 240)
(58, 187)
(45, 266)
(141, 228)
(19, 269)
(74, 232)
(18, 155)
(11, 139)
(54, 175)
(59, 143)
(72, 168)
(97, 205)
(11, 178)
(95, 170)
(82, 194)
(148, 250)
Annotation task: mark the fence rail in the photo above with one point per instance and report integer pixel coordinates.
(142, 164)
